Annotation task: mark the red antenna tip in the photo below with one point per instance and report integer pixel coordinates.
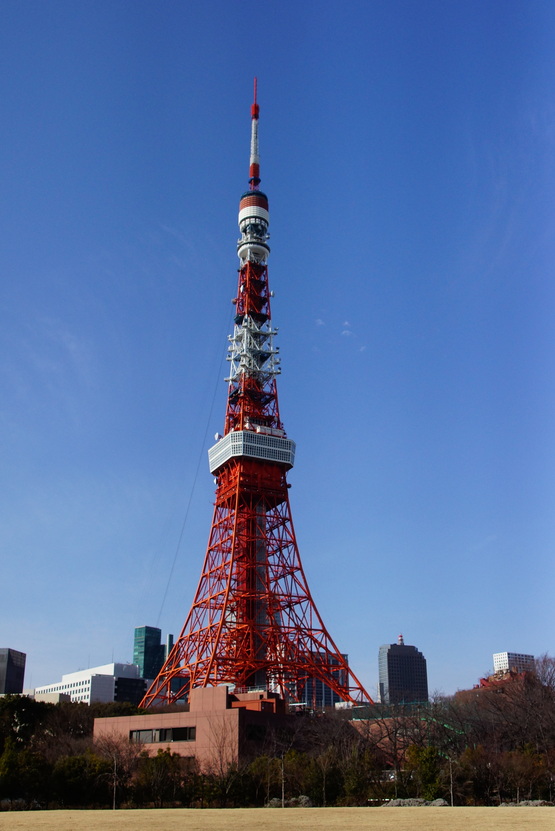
(255, 109)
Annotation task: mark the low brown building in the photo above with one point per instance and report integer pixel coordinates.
(216, 727)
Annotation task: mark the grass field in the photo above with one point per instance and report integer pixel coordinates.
(276, 819)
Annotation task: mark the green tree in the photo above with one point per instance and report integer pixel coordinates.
(425, 766)
(327, 777)
(24, 774)
(363, 775)
(82, 781)
(21, 719)
(159, 779)
(265, 772)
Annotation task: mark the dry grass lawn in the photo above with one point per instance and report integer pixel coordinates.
(276, 819)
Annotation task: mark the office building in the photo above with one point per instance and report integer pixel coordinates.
(403, 675)
(513, 661)
(148, 652)
(111, 682)
(12, 671)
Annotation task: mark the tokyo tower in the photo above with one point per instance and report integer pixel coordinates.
(253, 622)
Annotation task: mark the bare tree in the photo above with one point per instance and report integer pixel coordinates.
(124, 758)
(222, 766)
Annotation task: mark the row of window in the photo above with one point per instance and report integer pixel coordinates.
(168, 734)
(83, 686)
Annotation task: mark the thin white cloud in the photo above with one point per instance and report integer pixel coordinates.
(74, 351)
(484, 543)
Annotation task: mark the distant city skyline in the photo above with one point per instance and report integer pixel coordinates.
(401, 670)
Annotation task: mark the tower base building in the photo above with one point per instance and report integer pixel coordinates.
(215, 728)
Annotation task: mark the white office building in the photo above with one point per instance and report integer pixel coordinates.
(105, 683)
(505, 661)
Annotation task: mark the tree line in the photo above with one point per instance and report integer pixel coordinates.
(481, 747)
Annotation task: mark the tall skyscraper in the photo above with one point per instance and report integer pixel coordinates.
(148, 652)
(12, 671)
(403, 674)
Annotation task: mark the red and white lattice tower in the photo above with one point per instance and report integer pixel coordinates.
(253, 622)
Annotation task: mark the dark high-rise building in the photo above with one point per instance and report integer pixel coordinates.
(148, 652)
(12, 670)
(129, 689)
(403, 674)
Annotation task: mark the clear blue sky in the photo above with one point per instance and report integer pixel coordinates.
(408, 152)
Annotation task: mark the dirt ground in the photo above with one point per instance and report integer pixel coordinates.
(276, 819)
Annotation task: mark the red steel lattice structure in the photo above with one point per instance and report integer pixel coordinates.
(253, 622)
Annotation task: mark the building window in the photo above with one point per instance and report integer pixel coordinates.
(168, 734)
(180, 734)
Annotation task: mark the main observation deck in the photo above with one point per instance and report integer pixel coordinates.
(255, 445)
